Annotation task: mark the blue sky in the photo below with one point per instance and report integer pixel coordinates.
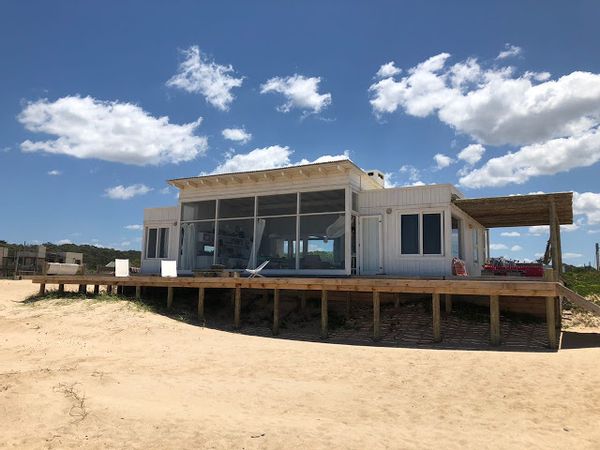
(86, 88)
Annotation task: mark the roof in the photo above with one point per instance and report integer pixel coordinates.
(518, 210)
(300, 170)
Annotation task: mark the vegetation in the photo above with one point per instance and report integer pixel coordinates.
(583, 280)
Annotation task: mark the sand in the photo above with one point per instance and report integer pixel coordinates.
(106, 374)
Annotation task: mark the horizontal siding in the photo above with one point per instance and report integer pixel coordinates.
(160, 214)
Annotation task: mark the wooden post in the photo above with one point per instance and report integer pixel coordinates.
(169, 296)
(109, 288)
(396, 300)
(324, 316)
(551, 322)
(42, 289)
(348, 299)
(96, 289)
(61, 289)
(201, 304)
(138, 292)
(554, 242)
(376, 316)
(435, 303)
(303, 302)
(448, 303)
(82, 288)
(494, 320)
(275, 311)
(237, 307)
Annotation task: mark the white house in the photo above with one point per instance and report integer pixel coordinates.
(322, 219)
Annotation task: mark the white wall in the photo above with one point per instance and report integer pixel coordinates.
(160, 218)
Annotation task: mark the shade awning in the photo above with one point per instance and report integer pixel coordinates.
(518, 210)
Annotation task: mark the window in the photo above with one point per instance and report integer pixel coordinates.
(276, 242)
(322, 201)
(409, 234)
(234, 243)
(198, 210)
(456, 239)
(432, 234)
(236, 207)
(277, 205)
(157, 244)
(322, 239)
(475, 245)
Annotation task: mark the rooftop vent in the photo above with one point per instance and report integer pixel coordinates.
(377, 176)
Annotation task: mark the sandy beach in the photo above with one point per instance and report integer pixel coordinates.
(106, 374)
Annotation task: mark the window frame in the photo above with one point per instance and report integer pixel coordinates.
(157, 243)
(420, 213)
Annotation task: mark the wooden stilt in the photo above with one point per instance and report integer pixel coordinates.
(201, 305)
(348, 304)
(551, 322)
(109, 289)
(61, 289)
(303, 302)
(437, 332)
(169, 297)
(376, 316)
(324, 314)
(42, 289)
(138, 292)
(495, 320)
(276, 311)
(96, 289)
(396, 300)
(237, 307)
(82, 288)
(448, 303)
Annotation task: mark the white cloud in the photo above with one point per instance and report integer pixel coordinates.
(54, 173)
(272, 157)
(301, 93)
(593, 231)
(64, 241)
(125, 244)
(121, 192)
(542, 230)
(588, 204)
(4, 149)
(571, 255)
(498, 247)
(516, 248)
(472, 153)
(134, 227)
(510, 234)
(198, 74)
(388, 70)
(509, 51)
(111, 131)
(388, 180)
(555, 122)
(413, 173)
(236, 134)
(442, 161)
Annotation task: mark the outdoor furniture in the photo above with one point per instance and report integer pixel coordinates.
(168, 269)
(256, 272)
(121, 267)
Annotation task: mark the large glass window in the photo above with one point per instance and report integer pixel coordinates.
(157, 243)
(236, 207)
(432, 234)
(234, 243)
(151, 244)
(456, 240)
(409, 230)
(322, 201)
(197, 245)
(198, 210)
(276, 242)
(322, 241)
(163, 242)
(277, 205)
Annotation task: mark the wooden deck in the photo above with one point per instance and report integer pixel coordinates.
(435, 288)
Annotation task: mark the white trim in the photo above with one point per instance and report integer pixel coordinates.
(361, 246)
(420, 213)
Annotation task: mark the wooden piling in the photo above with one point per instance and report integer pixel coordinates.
(42, 288)
(396, 300)
(494, 320)
(376, 316)
(448, 303)
(82, 288)
(201, 304)
(138, 292)
(348, 303)
(276, 312)
(551, 322)
(96, 289)
(303, 296)
(169, 297)
(109, 288)
(61, 289)
(324, 314)
(435, 303)
(237, 307)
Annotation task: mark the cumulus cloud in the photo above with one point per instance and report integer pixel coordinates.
(413, 173)
(300, 92)
(554, 122)
(198, 74)
(112, 131)
(272, 157)
(498, 247)
(510, 234)
(134, 227)
(442, 161)
(54, 173)
(543, 230)
(388, 70)
(587, 204)
(237, 135)
(509, 51)
(471, 154)
(121, 192)
(516, 248)
(571, 255)
(64, 241)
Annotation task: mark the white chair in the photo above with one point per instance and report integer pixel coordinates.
(121, 267)
(256, 272)
(168, 269)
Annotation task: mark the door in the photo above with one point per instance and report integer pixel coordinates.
(370, 244)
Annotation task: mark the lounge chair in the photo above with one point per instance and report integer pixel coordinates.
(121, 267)
(168, 269)
(256, 272)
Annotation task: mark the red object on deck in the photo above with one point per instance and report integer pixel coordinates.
(515, 268)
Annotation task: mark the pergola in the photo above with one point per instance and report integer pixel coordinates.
(523, 211)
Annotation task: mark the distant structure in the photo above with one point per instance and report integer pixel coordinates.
(32, 261)
(597, 256)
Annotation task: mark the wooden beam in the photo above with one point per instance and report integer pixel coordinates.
(138, 292)
(435, 307)
(448, 303)
(376, 316)
(42, 289)
(276, 312)
(495, 320)
(237, 307)
(169, 297)
(201, 304)
(551, 322)
(324, 315)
